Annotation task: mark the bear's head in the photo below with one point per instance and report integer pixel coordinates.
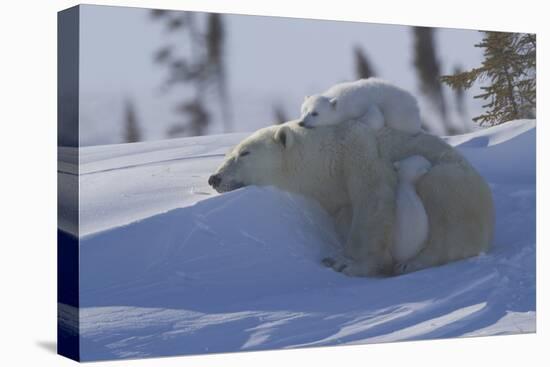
(257, 160)
(318, 110)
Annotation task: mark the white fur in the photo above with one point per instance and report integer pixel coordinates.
(349, 170)
(372, 101)
(411, 222)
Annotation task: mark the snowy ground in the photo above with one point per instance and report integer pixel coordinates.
(168, 267)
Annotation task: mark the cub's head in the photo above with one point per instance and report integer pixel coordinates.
(317, 110)
(257, 160)
(412, 168)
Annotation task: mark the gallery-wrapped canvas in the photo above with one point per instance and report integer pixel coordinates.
(236, 183)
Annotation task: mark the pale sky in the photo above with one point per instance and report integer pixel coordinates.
(270, 60)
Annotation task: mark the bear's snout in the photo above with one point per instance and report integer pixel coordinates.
(214, 180)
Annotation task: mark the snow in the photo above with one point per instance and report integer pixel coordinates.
(168, 266)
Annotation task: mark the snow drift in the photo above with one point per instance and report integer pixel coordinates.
(170, 267)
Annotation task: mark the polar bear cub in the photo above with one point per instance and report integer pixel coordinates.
(411, 226)
(373, 101)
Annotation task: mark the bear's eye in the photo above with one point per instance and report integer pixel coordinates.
(314, 113)
(242, 154)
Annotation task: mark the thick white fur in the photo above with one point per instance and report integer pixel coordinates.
(411, 220)
(372, 101)
(348, 169)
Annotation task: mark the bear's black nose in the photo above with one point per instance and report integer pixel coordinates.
(301, 124)
(214, 180)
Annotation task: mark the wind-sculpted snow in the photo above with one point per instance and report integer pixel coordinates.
(169, 267)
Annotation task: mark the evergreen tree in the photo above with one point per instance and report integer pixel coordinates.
(197, 122)
(198, 64)
(280, 114)
(132, 133)
(459, 95)
(428, 71)
(215, 39)
(510, 68)
(363, 68)
(460, 103)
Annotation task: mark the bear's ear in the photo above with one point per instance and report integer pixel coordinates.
(283, 136)
(396, 165)
(306, 98)
(333, 102)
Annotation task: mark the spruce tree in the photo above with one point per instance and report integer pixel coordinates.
(132, 133)
(363, 68)
(280, 114)
(198, 64)
(428, 68)
(510, 68)
(460, 103)
(215, 42)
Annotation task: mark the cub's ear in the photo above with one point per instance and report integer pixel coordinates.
(333, 102)
(306, 98)
(283, 136)
(396, 165)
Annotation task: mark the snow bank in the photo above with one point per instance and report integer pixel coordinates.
(124, 183)
(505, 153)
(203, 258)
(170, 267)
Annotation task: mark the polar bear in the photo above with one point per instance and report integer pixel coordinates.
(411, 220)
(372, 101)
(348, 169)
